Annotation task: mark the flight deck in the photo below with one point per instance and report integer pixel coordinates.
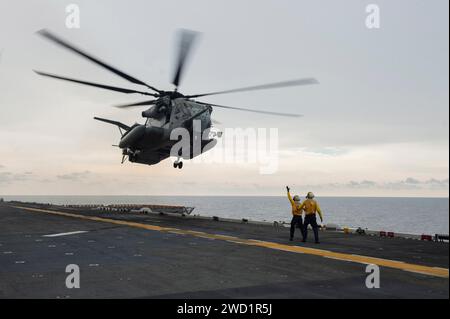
(138, 255)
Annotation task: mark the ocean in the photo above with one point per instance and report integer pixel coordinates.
(406, 215)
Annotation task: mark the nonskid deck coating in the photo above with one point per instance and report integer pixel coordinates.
(201, 248)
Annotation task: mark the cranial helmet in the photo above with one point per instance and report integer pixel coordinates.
(296, 198)
(310, 195)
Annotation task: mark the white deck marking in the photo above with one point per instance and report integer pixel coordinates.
(66, 234)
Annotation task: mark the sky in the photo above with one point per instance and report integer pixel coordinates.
(376, 125)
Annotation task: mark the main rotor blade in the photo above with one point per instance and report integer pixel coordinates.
(119, 124)
(47, 34)
(306, 81)
(186, 41)
(102, 86)
(252, 110)
(150, 102)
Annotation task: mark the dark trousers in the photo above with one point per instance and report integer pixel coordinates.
(297, 221)
(311, 220)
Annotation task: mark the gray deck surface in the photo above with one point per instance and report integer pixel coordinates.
(119, 261)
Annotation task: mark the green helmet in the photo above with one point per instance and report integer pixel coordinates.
(296, 198)
(310, 195)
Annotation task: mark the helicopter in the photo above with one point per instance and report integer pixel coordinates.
(151, 142)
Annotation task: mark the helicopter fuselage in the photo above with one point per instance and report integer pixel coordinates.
(152, 142)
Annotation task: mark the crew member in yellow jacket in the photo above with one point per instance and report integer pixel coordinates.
(311, 207)
(297, 220)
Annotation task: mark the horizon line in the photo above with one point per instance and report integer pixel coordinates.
(221, 195)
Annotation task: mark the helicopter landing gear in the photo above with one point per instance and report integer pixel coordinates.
(125, 155)
(178, 164)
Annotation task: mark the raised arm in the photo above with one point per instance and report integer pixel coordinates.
(289, 195)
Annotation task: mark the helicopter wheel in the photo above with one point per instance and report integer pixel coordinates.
(178, 164)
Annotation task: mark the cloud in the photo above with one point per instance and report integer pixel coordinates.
(5, 177)
(438, 184)
(409, 183)
(412, 183)
(189, 183)
(75, 176)
(411, 180)
(9, 177)
(328, 151)
(362, 184)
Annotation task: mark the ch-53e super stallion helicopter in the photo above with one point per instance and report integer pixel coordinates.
(150, 143)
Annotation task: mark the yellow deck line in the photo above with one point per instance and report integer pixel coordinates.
(427, 270)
